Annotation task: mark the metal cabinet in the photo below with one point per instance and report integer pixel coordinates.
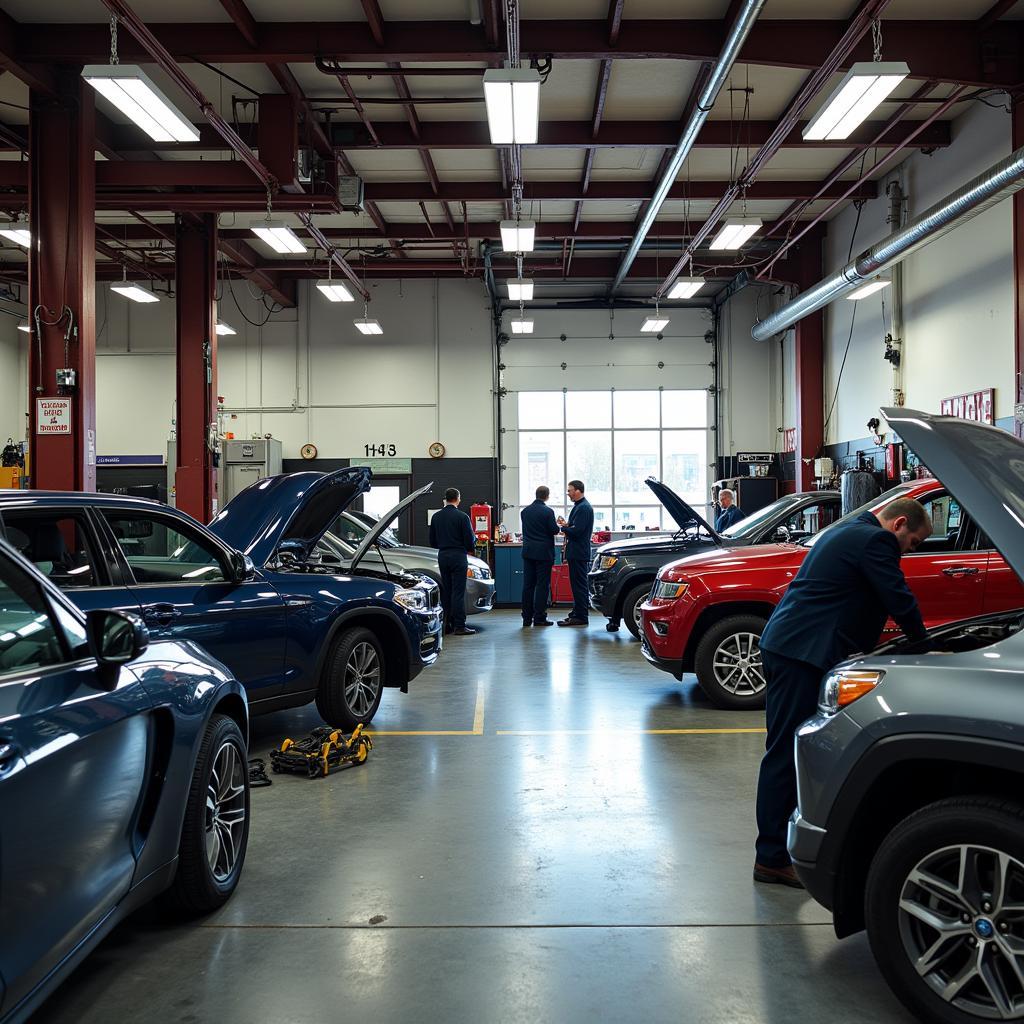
(245, 462)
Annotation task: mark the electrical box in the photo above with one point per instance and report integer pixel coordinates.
(823, 468)
(350, 192)
(245, 462)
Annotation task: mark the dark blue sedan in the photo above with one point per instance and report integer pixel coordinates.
(122, 776)
(249, 588)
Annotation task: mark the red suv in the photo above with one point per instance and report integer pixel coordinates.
(705, 613)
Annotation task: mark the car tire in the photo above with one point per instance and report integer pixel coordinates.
(984, 837)
(353, 681)
(728, 663)
(215, 831)
(631, 608)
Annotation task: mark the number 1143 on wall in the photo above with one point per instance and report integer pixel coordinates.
(375, 451)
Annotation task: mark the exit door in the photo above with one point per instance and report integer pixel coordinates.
(384, 494)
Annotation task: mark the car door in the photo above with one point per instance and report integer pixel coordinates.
(73, 761)
(947, 573)
(1003, 588)
(180, 578)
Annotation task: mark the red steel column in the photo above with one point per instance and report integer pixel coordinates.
(1017, 121)
(196, 280)
(62, 284)
(810, 386)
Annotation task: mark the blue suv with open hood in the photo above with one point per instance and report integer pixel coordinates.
(249, 588)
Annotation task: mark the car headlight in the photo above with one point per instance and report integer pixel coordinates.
(844, 687)
(474, 572)
(414, 600)
(666, 591)
(606, 562)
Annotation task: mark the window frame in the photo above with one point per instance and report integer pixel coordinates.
(615, 506)
(103, 571)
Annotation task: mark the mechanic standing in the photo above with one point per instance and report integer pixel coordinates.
(731, 512)
(451, 533)
(849, 583)
(539, 533)
(576, 553)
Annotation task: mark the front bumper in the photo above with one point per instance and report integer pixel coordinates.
(804, 841)
(674, 666)
(479, 596)
(603, 592)
(431, 641)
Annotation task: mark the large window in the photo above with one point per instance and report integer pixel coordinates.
(613, 441)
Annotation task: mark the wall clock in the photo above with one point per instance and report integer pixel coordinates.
(308, 451)
(436, 450)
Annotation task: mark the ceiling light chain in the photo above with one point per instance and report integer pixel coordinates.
(270, 203)
(876, 40)
(114, 59)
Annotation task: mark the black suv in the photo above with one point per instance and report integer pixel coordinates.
(624, 570)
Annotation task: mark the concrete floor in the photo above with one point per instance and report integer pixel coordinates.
(535, 865)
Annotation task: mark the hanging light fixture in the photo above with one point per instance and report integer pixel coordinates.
(521, 325)
(135, 292)
(869, 288)
(863, 88)
(512, 96)
(736, 232)
(520, 288)
(223, 328)
(654, 324)
(517, 235)
(16, 231)
(686, 287)
(335, 291)
(25, 326)
(367, 326)
(278, 235)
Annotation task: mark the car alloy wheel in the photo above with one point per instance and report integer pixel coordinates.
(961, 923)
(362, 679)
(225, 811)
(737, 665)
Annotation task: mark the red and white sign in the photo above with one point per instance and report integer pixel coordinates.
(975, 405)
(53, 415)
(789, 439)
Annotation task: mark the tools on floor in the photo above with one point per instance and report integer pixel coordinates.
(258, 777)
(323, 750)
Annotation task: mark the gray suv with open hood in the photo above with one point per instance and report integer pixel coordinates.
(911, 776)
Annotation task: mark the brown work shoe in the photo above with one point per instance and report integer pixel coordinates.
(777, 876)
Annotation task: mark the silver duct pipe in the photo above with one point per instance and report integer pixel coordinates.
(989, 188)
(719, 73)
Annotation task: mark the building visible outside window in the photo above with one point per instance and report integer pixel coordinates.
(613, 441)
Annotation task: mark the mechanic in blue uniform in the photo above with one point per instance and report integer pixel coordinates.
(848, 585)
(451, 533)
(731, 512)
(576, 554)
(539, 532)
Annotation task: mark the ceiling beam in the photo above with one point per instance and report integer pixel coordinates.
(375, 20)
(614, 21)
(247, 262)
(38, 78)
(934, 49)
(994, 13)
(243, 19)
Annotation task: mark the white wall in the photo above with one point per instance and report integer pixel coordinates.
(13, 382)
(958, 292)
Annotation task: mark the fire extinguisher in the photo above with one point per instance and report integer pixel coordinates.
(480, 514)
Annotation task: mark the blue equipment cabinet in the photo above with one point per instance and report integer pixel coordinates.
(508, 572)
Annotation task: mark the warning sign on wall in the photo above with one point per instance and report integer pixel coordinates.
(53, 415)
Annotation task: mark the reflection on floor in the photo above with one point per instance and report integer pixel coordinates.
(552, 861)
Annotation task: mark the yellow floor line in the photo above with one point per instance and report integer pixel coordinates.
(478, 715)
(477, 730)
(628, 732)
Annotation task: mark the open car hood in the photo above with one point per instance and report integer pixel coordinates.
(384, 522)
(290, 512)
(683, 514)
(982, 466)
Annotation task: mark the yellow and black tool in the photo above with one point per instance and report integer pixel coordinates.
(322, 751)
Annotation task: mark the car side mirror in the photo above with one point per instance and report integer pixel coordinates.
(114, 639)
(242, 568)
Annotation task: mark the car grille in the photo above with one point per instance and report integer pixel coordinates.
(433, 592)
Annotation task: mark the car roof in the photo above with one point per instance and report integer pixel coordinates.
(28, 498)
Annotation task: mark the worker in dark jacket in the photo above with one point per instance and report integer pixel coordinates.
(451, 533)
(731, 512)
(539, 532)
(576, 553)
(849, 583)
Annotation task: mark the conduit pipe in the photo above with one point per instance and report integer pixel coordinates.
(991, 187)
(730, 51)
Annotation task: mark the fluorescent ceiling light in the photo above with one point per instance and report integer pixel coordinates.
(368, 326)
(130, 90)
(686, 287)
(520, 288)
(863, 87)
(512, 96)
(335, 291)
(869, 288)
(24, 326)
(517, 236)
(521, 325)
(736, 232)
(653, 324)
(134, 292)
(278, 235)
(223, 328)
(17, 233)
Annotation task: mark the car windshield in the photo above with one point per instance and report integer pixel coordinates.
(348, 528)
(875, 503)
(760, 517)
